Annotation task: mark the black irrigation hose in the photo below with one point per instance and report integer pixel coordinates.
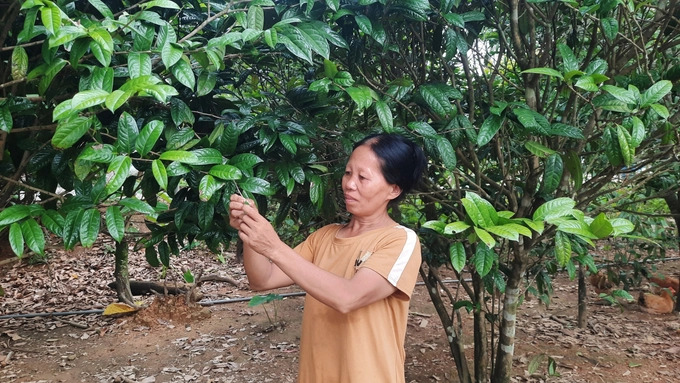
(233, 300)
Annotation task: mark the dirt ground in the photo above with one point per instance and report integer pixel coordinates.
(233, 342)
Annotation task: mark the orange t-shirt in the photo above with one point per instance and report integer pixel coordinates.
(367, 344)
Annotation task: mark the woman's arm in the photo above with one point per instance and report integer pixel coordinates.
(344, 295)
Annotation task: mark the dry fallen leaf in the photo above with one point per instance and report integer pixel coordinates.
(119, 308)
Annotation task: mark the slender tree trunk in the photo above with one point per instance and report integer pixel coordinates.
(582, 308)
(506, 342)
(122, 274)
(452, 336)
(480, 336)
(673, 202)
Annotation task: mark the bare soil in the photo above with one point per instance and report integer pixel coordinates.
(172, 341)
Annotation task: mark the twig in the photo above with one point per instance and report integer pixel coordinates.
(74, 324)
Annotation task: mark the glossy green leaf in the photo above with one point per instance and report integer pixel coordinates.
(115, 223)
(71, 229)
(611, 147)
(206, 83)
(16, 239)
(446, 152)
(33, 236)
(255, 17)
(538, 149)
(435, 225)
(208, 186)
(483, 259)
(361, 95)
(71, 131)
(559, 207)
(457, 256)
(139, 206)
(184, 74)
(569, 60)
(627, 151)
(256, 186)
(601, 226)
(148, 136)
(486, 210)
(317, 190)
(53, 221)
(382, 109)
(6, 121)
(117, 172)
(638, 132)
(13, 214)
(621, 226)
(455, 227)
(573, 164)
(661, 110)
(437, 96)
(485, 237)
(89, 227)
(139, 64)
(503, 231)
(226, 172)
(655, 93)
(116, 99)
(160, 174)
(127, 133)
(171, 53)
(610, 27)
(552, 175)
(545, 71)
(620, 94)
(288, 143)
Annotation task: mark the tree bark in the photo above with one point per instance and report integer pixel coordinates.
(480, 335)
(506, 343)
(582, 308)
(453, 338)
(122, 275)
(673, 202)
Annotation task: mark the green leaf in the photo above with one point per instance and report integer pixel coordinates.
(168, 4)
(545, 71)
(361, 95)
(100, 153)
(50, 16)
(483, 260)
(13, 214)
(171, 53)
(184, 74)
(151, 256)
(437, 96)
(435, 225)
(139, 64)
(446, 152)
(384, 113)
(486, 210)
(424, 129)
(6, 120)
(139, 206)
(489, 128)
(621, 226)
(72, 228)
(485, 237)
(587, 83)
(255, 18)
(601, 226)
(53, 221)
(256, 186)
(573, 164)
(562, 248)
(569, 60)
(638, 134)
(19, 63)
(33, 236)
(115, 223)
(102, 8)
(610, 27)
(538, 149)
(207, 156)
(148, 136)
(262, 299)
(226, 172)
(554, 167)
(127, 133)
(70, 131)
(182, 156)
(206, 83)
(620, 94)
(296, 43)
(457, 256)
(117, 172)
(116, 99)
(504, 231)
(316, 190)
(88, 98)
(89, 227)
(455, 227)
(661, 110)
(627, 151)
(208, 186)
(160, 174)
(288, 143)
(559, 207)
(655, 93)
(16, 239)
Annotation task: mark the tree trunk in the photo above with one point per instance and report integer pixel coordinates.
(480, 335)
(506, 342)
(452, 336)
(673, 202)
(122, 274)
(582, 308)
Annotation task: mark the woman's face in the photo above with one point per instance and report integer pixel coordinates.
(365, 188)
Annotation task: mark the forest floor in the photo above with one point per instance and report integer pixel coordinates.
(234, 342)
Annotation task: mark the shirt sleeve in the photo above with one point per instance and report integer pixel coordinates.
(397, 258)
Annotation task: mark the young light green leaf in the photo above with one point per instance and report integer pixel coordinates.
(70, 131)
(627, 151)
(208, 186)
(559, 207)
(601, 227)
(485, 237)
(562, 248)
(538, 149)
(160, 173)
(545, 71)
(148, 136)
(457, 256)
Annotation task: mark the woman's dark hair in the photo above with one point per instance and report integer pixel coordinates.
(402, 161)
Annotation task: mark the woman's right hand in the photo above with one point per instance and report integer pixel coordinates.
(236, 204)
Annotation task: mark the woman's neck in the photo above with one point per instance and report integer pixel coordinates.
(358, 226)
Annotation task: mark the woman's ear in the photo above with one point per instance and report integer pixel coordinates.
(395, 192)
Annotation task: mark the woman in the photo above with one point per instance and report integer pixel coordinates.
(358, 276)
